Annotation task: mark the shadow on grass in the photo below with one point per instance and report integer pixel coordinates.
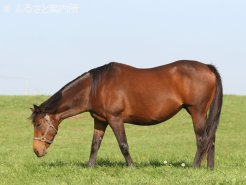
(114, 164)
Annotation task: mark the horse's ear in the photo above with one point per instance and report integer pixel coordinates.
(32, 109)
(35, 108)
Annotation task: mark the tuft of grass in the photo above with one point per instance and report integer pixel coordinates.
(172, 141)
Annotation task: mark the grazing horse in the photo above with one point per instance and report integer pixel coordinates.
(116, 93)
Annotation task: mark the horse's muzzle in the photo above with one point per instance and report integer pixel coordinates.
(39, 153)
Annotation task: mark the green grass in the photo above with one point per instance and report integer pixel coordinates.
(172, 141)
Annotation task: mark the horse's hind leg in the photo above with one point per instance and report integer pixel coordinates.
(199, 123)
(117, 126)
(99, 130)
(210, 157)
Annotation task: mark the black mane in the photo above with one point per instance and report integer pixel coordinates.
(51, 104)
(98, 73)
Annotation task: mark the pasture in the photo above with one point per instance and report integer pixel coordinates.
(172, 141)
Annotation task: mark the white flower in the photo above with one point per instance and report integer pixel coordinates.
(183, 164)
(165, 162)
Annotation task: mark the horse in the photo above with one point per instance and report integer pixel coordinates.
(117, 93)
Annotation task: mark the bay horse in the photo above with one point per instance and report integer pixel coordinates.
(116, 93)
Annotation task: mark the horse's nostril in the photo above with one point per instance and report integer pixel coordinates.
(36, 151)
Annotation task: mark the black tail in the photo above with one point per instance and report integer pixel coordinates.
(214, 112)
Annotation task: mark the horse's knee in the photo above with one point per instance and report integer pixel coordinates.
(124, 148)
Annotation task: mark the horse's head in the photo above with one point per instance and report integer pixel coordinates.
(45, 128)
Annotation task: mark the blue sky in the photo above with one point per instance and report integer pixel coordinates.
(41, 52)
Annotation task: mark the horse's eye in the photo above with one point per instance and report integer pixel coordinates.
(38, 125)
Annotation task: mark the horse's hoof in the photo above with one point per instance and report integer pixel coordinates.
(91, 165)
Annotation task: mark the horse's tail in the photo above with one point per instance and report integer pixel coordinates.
(214, 112)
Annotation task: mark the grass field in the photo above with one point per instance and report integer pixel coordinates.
(172, 141)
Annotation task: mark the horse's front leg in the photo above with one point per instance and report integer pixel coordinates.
(117, 126)
(99, 130)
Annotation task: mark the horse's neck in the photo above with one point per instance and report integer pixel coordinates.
(75, 97)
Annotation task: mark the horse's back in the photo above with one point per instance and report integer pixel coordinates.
(180, 79)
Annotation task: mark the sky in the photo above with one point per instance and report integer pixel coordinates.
(44, 44)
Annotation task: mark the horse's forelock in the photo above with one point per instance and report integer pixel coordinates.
(33, 117)
(35, 111)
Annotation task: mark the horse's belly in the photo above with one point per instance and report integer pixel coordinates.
(152, 115)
